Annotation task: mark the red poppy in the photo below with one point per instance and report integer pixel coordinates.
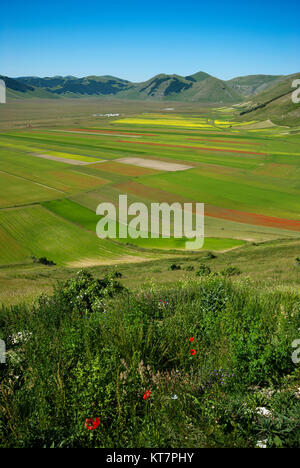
(193, 352)
(92, 424)
(191, 339)
(147, 394)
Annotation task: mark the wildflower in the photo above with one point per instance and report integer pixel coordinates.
(193, 352)
(262, 411)
(191, 339)
(174, 397)
(92, 424)
(262, 443)
(147, 394)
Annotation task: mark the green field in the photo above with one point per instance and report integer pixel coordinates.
(42, 233)
(246, 175)
(86, 218)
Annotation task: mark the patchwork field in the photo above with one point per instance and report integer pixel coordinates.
(42, 233)
(54, 177)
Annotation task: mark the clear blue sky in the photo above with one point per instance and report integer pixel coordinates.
(136, 40)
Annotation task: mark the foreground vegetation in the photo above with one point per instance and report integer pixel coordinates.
(267, 266)
(203, 363)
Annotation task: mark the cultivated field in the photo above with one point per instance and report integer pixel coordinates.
(55, 171)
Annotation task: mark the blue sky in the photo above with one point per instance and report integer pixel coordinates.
(136, 40)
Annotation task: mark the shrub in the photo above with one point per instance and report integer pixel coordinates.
(116, 274)
(203, 270)
(86, 294)
(231, 271)
(210, 256)
(43, 261)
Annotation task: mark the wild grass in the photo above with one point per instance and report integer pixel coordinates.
(93, 349)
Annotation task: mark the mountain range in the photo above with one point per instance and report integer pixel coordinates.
(199, 87)
(255, 96)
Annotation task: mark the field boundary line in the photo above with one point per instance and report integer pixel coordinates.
(32, 181)
(198, 148)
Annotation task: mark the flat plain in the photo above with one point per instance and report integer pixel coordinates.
(54, 171)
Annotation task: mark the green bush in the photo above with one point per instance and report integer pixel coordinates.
(86, 294)
(203, 270)
(231, 271)
(210, 256)
(43, 261)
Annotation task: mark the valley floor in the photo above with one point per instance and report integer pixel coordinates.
(56, 166)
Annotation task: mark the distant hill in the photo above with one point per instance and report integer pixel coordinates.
(198, 87)
(17, 89)
(253, 84)
(275, 103)
(71, 86)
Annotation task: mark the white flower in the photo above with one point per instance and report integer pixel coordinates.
(20, 337)
(262, 411)
(297, 394)
(262, 443)
(174, 397)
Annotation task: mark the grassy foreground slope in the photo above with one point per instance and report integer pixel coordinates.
(270, 265)
(204, 363)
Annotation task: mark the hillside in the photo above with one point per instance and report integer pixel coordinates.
(259, 97)
(16, 89)
(274, 103)
(209, 359)
(253, 84)
(198, 87)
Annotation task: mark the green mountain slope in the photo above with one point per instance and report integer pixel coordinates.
(253, 84)
(16, 89)
(258, 90)
(275, 104)
(200, 87)
(210, 89)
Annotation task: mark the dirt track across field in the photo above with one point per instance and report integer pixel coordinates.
(154, 164)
